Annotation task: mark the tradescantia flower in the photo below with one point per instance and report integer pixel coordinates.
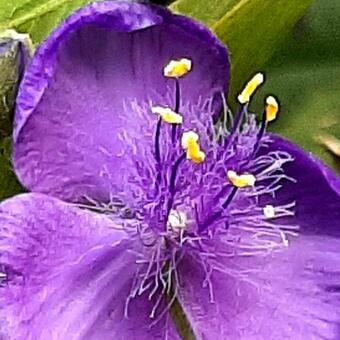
(138, 198)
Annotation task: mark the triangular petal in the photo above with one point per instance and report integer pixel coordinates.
(293, 294)
(67, 274)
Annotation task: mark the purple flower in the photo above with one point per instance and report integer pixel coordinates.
(138, 198)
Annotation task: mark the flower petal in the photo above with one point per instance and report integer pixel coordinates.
(293, 294)
(316, 191)
(81, 90)
(67, 274)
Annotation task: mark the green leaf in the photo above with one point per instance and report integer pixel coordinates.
(208, 12)
(309, 104)
(36, 17)
(9, 76)
(252, 29)
(9, 185)
(304, 74)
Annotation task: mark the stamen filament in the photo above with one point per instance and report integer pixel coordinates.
(173, 133)
(157, 135)
(260, 134)
(177, 95)
(268, 115)
(237, 122)
(177, 107)
(230, 197)
(244, 99)
(172, 183)
(174, 172)
(219, 213)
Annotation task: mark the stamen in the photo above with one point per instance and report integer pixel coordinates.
(167, 115)
(241, 181)
(272, 108)
(244, 99)
(177, 68)
(190, 144)
(250, 88)
(269, 114)
(269, 211)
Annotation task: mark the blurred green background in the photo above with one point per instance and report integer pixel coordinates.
(305, 74)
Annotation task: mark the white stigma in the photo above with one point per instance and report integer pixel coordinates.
(177, 220)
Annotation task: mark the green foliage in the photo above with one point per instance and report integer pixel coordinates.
(9, 185)
(209, 12)
(36, 17)
(9, 74)
(305, 75)
(252, 29)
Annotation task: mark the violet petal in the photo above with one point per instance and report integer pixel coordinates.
(77, 95)
(292, 294)
(316, 191)
(66, 274)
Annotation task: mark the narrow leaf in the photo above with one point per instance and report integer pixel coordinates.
(209, 12)
(252, 29)
(36, 17)
(11, 67)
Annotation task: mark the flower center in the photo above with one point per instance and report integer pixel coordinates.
(189, 148)
(205, 198)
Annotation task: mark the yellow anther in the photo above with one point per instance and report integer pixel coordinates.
(272, 108)
(167, 115)
(269, 211)
(195, 154)
(189, 137)
(190, 144)
(241, 181)
(250, 88)
(177, 68)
